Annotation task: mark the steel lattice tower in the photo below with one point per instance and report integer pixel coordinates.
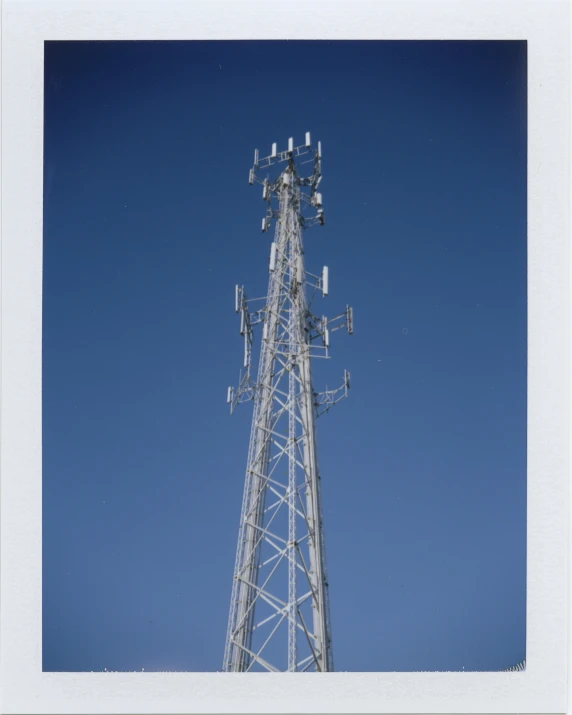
(279, 613)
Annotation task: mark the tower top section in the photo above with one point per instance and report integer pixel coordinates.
(300, 177)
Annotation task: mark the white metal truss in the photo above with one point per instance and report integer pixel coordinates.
(518, 666)
(279, 613)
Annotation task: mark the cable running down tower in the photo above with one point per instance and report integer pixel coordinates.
(279, 613)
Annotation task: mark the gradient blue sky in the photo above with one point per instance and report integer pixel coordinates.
(149, 222)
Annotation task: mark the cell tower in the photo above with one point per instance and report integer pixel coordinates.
(279, 613)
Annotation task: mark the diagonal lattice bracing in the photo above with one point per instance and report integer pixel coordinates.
(279, 613)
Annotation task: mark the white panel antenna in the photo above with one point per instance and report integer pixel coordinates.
(291, 144)
(308, 143)
(246, 352)
(272, 256)
(325, 281)
(299, 270)
(274, 151)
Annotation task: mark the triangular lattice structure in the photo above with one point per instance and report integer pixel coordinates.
(279, 615)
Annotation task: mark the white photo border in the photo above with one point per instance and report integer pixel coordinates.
(541, 688)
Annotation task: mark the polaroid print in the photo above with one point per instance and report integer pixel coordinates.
(361, 231)
(416, 201)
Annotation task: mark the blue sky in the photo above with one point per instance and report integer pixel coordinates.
(149, 222)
